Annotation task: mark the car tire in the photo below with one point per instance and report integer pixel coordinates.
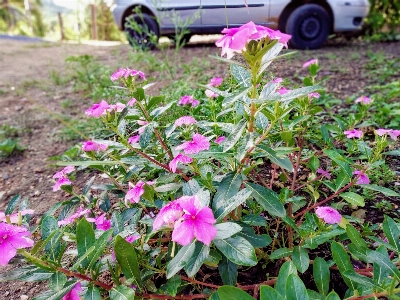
(142, 31)
(309, 26)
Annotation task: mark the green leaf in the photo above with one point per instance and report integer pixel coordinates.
(200, 255)
(268, 293)
(237, 250)
(257, 241)
(53, 246)
(392, 232)
(116, 223)
(242, 75)
(12, 204)
(235, 135)
(145, 137)
(269, 56)
(295, 288)
(227, 292)
(341, 180)
(300, 259)
(57, 281)
(279, 253)
(92, 293)
(381, 273)
(261, 121)
(314, 241)
(314, 163)
(225, 206)
(383, 260)
(100, 245)
(332, 296)
(383, 190)
(254, 220)
(82, 258)
(342, 162)
(172, 285)
(291, 95)
(268, 199)
(227, 229)
(87, 185)
(180, 260)
(214, 296)
(282, 162)
(122, 293)
(85, 239)
(355, 237)
(160, 110)
(353, 198)
(393, 152)
(126, 257)
(363, 280)
(58, 295)
(321, 275)
(154, 101)
(343, 263)
(228, 271)
(286, 270)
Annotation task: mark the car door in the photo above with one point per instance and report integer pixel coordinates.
(178, 12)
(235, 12)
(276, 7)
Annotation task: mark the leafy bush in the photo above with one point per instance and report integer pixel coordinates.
(236, 185)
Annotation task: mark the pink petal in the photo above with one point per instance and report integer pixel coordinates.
(204, 231)
(183, 232)
(7, 252)
(206, 215)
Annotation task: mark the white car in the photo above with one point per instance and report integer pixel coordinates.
(309, 22)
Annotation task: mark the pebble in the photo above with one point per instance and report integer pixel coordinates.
(397, 183)
(18, 108)
(5, 176)
(24, 297)
(37, 193)
(6, 293)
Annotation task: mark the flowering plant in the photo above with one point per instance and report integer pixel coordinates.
(240, 187)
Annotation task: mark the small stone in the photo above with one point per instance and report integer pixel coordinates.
(2, 193)
(24, 297)
(37, 193)
(18, 108)
(38, 170)
(5, 176)
(6, 293)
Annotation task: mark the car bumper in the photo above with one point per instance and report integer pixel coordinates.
(349, 14)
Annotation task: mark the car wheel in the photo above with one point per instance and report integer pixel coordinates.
(309, 26)
(142, 31)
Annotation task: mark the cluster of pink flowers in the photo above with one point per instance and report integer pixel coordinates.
(188, 100)
(62, 177)
(185, 120)
(362, 177)
(126, 72)
(313, 95)
(100, 109)
(12, 237)
(134, 193)
(394, 134)
(235, 39)
(354, 133)
(313, 61)
(88, 146)
(198, 143)
(79, 213)
(328, 214)
(188, 219)
(101, 222)
(363, 100)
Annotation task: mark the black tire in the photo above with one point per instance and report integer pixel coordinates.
(142, 31)
(309, 26)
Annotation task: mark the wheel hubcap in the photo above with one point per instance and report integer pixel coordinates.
(310, 27)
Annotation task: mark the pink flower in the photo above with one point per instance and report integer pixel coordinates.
(101, 222)
(220, 139)
(74, 293)
(391, 132)
(12, 238)
(98, 109)
(186, 120)
(93, 146)
(118, 74)
(324, 173)
(64, 172)
(197, 222)
(235, 39)
(313, 95)
(132, 102)
(168, 215)
(126, 72)
(381, 131)
(211, 94)
(215, 81)
(14, 217)
(199, 143)
(133, 195)
(188, 100)
(180, 158)
(353, 133)
(283, 90)
(277, 80)
(134, 139)
(363, 100)
(310, 62)
(328, 214)
(143, 124)
(132, 238)
(117, 107)
(80, 212)
(60, 182)
(363, 178)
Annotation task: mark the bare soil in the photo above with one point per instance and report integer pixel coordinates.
(28, 95)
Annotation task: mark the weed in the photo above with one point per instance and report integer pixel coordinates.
(10, 147)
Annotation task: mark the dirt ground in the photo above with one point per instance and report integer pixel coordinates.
(27, 97)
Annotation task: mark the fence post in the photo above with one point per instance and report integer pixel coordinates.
(94, 21)
(60, 22)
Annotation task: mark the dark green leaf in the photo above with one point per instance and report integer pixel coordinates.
(199, 256)
(155, 101)
(341, 180)
(268, 199)
(227, 229)
(51, 295)
(223, 207)
(332, 296)
(355, 237)
(314, 164)
(235, 135)
(257, 241)
(172, 285)
(12, 204)
(92, 293)
(392, 232)
(237, 250)
(283, 162)
(383, 190)
(295, 288)
(383, 260)
(261, 121)
(300, 259)
(53, 246)
(145, 137)
(321, 275)
(281, 252)
(269, 293)
(88, 184)
(227, 292)
(353, 198)
(363, 280)
(117, 223)
(160, 110)
(343, 263)
(85, 239)
(125, 254)
(254, 220)
(57, 281)
(241, 75)
(228, 271)
(122, 293)
(100, 245)
(286, 269)
(381, 273)
(342, 162)
(180, 260)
